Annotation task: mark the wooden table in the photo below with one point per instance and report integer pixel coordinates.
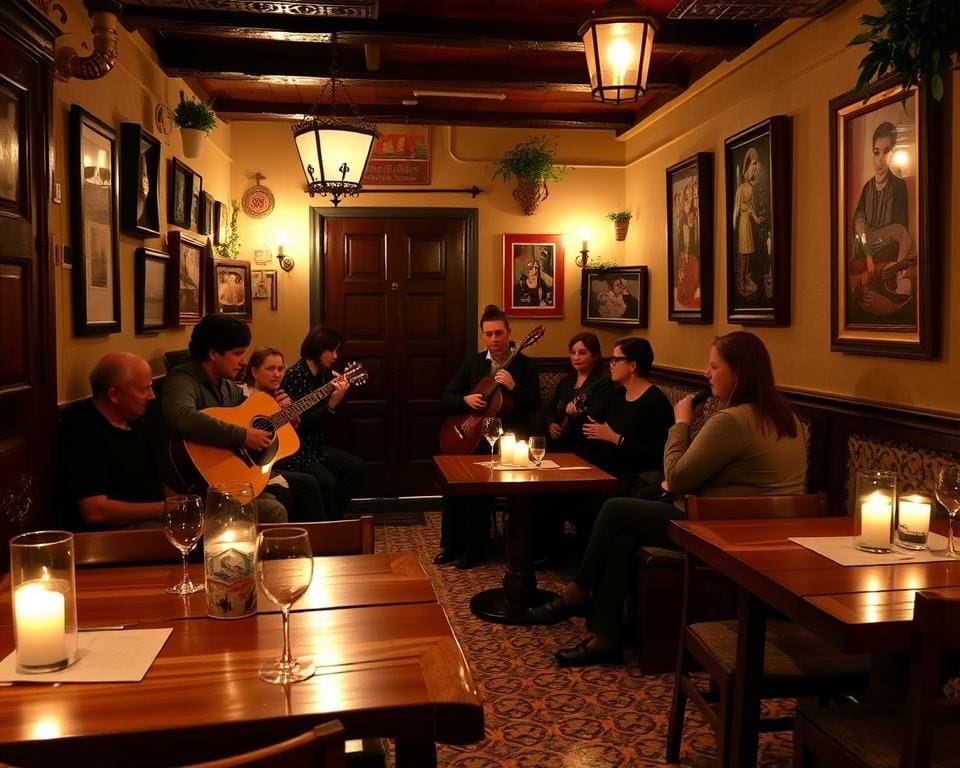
(470, 475)
(858, 609)
(391, 670)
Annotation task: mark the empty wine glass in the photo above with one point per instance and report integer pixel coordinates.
(538, 449)
(492, 429)
(948, 494)
(284, 571)
(183, 524)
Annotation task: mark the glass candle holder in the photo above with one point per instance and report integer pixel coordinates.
(876, 501)
(43, 586)
(229, 544)
(913, 521)
(508, 442)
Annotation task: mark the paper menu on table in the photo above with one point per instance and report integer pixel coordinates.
(102, 657)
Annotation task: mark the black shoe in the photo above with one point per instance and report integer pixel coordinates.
(467, 561)
(556, 610)
(444, 557)
(580, 655)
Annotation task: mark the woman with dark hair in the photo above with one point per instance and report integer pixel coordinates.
(338, 472)
(753, 446)
(588, 381)
(530, 290)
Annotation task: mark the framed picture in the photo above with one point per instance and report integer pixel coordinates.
(690, 240)
(219, 223)
(533, 275)
(187, 278)
(180, 188)
(139, 181)
(231, 289)
(758, 196)
(197, 190)
(151, 286)
(615, 296)
(400, 156)
(263, 256)
(206, 214)
(884, 224)
(94, 231)
(265, 285)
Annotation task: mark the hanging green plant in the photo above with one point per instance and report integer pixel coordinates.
(531, 163)
(229, 248)
(916, 40)
(194, 114)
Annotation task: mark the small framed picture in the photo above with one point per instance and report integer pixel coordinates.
(152, 282)
(179, 190)
(615, 296)
(206, 214)
(263, 256)
(533, 275)
(187, 278)
(265, 285)
(690, 240)
(139, 181)
(197, 190)
(231, 289)
(220, 217)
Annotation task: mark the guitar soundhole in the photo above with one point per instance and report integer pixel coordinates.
(266, 455)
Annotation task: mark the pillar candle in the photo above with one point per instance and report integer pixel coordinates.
(508, 441)
(915, 513)
(521, 454)
(876, 513)
(40, 626)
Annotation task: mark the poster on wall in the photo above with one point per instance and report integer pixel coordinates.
(400, 156)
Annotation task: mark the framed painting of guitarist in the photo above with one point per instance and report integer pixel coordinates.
(884, 240)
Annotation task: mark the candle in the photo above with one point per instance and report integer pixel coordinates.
(507, 443)
(521, 455)
(915, 513)
(876, 514)
(39, 613)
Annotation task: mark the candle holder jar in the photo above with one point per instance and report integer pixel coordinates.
(913, 521)
(44, 595)
(876, 501)
(229, 544)
(508, 442)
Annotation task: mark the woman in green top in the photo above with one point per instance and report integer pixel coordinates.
(753, 446)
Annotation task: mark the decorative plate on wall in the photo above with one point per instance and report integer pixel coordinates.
(258, 201)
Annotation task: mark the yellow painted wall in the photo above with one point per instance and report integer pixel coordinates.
(129, 93)
(795, 71)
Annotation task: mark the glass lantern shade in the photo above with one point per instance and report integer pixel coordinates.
(618, 42)
(333, 155)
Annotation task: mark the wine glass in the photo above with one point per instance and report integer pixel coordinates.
(492, 429)
(948, 494)
(284, 571)
(538, 449)
(183, 524)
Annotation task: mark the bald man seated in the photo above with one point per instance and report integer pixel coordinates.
(109, 468)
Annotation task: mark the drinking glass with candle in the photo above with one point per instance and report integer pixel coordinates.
(183, 524)
(229, 541)
(913, 521)
(875, 502)
(538, 449)
(284, 571)
(492, 429)
(507, 444)
(948, 494)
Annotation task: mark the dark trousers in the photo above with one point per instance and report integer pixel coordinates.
(608, 563)
(465, 524)
(303, 500)
(340, 475)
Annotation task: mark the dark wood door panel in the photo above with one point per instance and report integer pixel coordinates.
(15, 289)
(364, 257)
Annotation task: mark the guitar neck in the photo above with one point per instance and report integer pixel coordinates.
(298, 408)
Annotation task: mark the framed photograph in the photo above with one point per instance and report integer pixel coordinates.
(884, 224)
(187, 278)
(206, 213)
(265, 285)
(94, 230)
(231, 289)
(758, 196)
(690, 240)
(139, 181)
(533, 275)
(615, 296)
(179, 190)
(220, 216)
(195, 222)
(151, 286)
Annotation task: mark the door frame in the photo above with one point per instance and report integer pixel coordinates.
(470, 217)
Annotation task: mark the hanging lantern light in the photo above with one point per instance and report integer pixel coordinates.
(618, 41)
(334, 150)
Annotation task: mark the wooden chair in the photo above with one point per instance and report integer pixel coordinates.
(336, 537)
(796, 662)
(925, 733)
(321, 747)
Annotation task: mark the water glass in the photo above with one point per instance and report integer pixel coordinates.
(183, 524)
(538, 449)
(948, 494)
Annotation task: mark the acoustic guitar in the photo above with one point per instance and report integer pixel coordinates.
(579, 402)
(461, 433)
(200, 465)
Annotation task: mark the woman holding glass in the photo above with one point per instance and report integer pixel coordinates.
(753, 446)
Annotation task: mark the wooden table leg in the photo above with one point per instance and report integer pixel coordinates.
(751, 637)
(416, 753)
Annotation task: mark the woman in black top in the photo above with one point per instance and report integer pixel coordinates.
(589, 380)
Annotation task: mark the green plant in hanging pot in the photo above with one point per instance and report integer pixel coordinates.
(915, 40)
(621, 222)
(229, 248)
(196, 120)
(531, 163)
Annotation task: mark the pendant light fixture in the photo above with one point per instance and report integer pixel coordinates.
(618, 41)
(334, 150)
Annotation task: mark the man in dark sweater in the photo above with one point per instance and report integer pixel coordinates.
(465, 524)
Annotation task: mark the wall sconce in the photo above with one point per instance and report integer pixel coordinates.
(286, 262)
(584, 257)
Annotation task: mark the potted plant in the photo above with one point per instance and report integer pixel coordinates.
(531, 163)
(196, 120)
(230, 247)
(916, 40)
(621, 222)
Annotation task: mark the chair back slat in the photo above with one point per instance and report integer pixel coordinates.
(753, 507)
(336, 537)
(321, 747)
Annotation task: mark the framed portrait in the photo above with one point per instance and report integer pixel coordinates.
(533, 275)
(206, 214)
(231, 289)
(139, 181)
(690, 240)
(219, 223)
(151, 286)
(187, 278)
(179, 190)
(615, 296)
(758, 196)
(195, 198)
(884, 227)
(94, 230)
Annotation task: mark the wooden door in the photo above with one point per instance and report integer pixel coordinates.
(27, 362)
(397, 288)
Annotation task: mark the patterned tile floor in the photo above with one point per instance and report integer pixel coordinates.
(539, 715)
